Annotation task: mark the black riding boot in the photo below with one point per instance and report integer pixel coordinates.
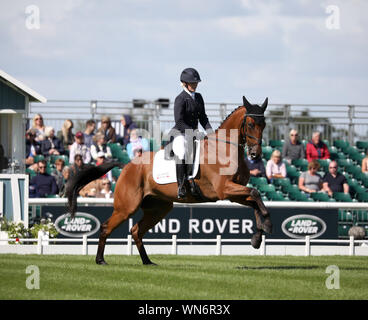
(181, 176)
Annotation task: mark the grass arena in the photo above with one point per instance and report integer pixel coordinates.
(184, 278)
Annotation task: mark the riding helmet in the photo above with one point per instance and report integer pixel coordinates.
(190, 75)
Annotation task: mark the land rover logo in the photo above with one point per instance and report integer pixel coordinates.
(82, 224)
(300, 226)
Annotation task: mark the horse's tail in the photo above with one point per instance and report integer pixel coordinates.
(82, 178)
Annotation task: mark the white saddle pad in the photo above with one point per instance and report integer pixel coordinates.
(164, 171)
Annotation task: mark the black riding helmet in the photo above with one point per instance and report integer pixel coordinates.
(190, 75)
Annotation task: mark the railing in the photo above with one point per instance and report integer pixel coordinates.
(348, 122)
(220, 244)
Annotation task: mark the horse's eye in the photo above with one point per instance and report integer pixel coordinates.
(250, 125)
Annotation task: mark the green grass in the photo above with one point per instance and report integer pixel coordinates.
(183, 277)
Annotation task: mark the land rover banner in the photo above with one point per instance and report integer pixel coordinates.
(202, 223)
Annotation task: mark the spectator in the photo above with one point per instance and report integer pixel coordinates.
(310, 181)
(66, 135)
(51, 145)
(334, 181)
(57, 173)
(100, 160)
(66, 175)
(105, 191)
(39, 126)
(316, 149)
(78, 147)
(33, 148)
(256, 166)
(43, 184)
(137, 145)
(365, 162)
(293, 149)
(100, 145)
(127, 125)
(91, 189)
(77, 164)
(275, 168)
(89, 132)
(107, 130)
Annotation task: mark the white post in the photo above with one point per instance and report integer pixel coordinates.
(129, 245)
(85, 245)
(39, 243)
(218, 245)
(307, 246)
(351, 246)
(262, 250)
(174, 247)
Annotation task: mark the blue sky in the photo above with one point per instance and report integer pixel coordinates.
(120, 50)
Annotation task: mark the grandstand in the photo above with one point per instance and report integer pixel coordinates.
(343, 134)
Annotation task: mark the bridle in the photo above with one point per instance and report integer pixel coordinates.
(245, 134)
(243, 128)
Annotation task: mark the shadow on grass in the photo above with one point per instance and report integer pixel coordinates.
(278, 267)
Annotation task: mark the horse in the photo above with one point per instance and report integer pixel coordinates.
(136, 188)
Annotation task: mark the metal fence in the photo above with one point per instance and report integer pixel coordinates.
(346, 122)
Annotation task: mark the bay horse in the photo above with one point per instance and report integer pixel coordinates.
(136, 188)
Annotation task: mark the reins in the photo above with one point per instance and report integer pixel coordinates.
(244, 144)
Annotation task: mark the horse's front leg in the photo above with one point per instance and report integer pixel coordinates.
(249, 197)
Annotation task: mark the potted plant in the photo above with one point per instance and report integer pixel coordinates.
(4, 227)
(46, 229)
(12, 229)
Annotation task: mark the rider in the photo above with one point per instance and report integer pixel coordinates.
(188, 110)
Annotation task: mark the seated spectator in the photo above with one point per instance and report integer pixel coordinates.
(100, 160)
(51, 145)
(334, 181)
(256, 166)
(91, 189)
(43, 184)
(105, 191)
(310, 181)
(66, 135)
(137, 145)
(33, 148)
(57, 173)
(293, 149)
(66, 175)
(78, 147)
(100, 145)
(365, 162)
(38, 126)
(316, 149)
(77, 164)
(107, 130)
(89, 132)
(127, 125)
(275, 168)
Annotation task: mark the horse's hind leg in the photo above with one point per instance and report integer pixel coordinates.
(154, 211)
(119, 215)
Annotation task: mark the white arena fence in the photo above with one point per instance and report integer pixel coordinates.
(175, 246)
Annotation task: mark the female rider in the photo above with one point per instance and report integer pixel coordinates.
(188, 110)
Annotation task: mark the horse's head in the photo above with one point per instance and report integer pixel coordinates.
(252, 127)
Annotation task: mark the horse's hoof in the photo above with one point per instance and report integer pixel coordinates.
(101, 262)
(256, 240)
(267, 226)
(149, 263)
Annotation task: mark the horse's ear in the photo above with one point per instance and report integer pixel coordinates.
(246, 102)
(264, 105)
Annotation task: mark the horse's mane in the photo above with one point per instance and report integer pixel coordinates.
(230, 116)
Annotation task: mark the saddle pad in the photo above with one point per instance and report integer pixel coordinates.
(164, 171)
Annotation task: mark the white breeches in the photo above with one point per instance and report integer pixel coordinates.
(179, 146)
